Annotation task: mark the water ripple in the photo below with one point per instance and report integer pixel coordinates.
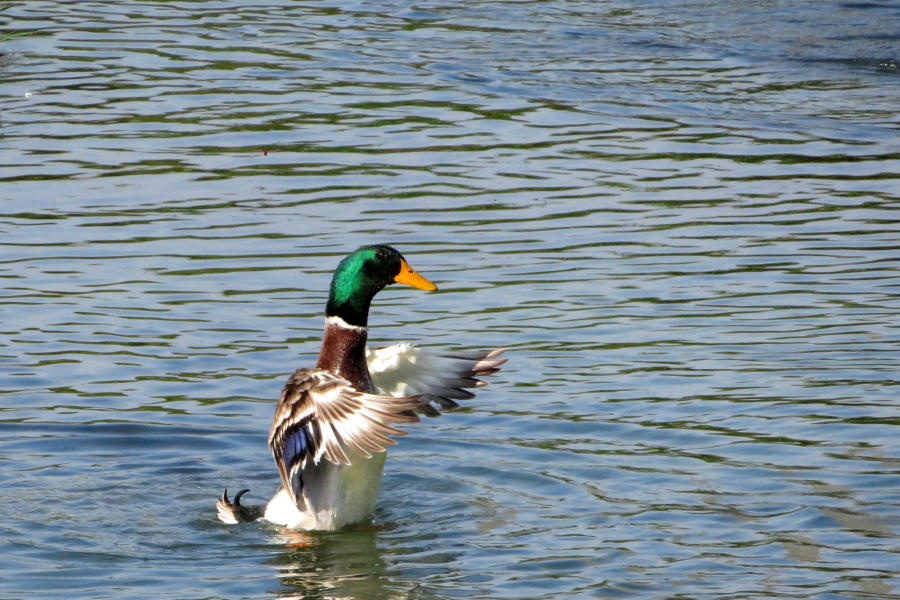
(680, 217)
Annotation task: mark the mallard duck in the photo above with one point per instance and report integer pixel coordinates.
(333, 423)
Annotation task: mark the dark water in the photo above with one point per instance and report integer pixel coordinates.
(683, 219)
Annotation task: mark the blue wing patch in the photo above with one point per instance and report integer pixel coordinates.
(300, 446)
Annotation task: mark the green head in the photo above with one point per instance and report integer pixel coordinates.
(363, 274)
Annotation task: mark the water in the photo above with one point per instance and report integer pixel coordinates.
(682, 218)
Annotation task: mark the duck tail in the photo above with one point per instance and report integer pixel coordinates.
(233, 513)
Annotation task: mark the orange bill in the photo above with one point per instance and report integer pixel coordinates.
(410, 277)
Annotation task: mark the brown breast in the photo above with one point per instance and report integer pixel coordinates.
(344, 354)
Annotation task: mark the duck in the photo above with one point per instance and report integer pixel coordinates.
(334, 422)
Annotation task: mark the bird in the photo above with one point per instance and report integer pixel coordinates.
(333, 423)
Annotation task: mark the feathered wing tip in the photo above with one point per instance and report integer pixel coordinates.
(485, 363)
(440, 378)
(319, 414)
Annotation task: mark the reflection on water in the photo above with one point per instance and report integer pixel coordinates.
(346, 565)
(681, 217)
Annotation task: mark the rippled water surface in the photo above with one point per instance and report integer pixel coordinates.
(683, 218)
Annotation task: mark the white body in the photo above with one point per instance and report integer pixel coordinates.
(336, 495)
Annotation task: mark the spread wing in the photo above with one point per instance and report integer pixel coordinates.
(404, 370)
(318, 413)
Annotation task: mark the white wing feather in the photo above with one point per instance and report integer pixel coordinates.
(404, 369)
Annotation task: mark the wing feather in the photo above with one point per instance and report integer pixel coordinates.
(404, 369)
(319, 415)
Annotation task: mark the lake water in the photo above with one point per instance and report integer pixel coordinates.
(683, 219)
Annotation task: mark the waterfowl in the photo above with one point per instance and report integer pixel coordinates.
(333, 423)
